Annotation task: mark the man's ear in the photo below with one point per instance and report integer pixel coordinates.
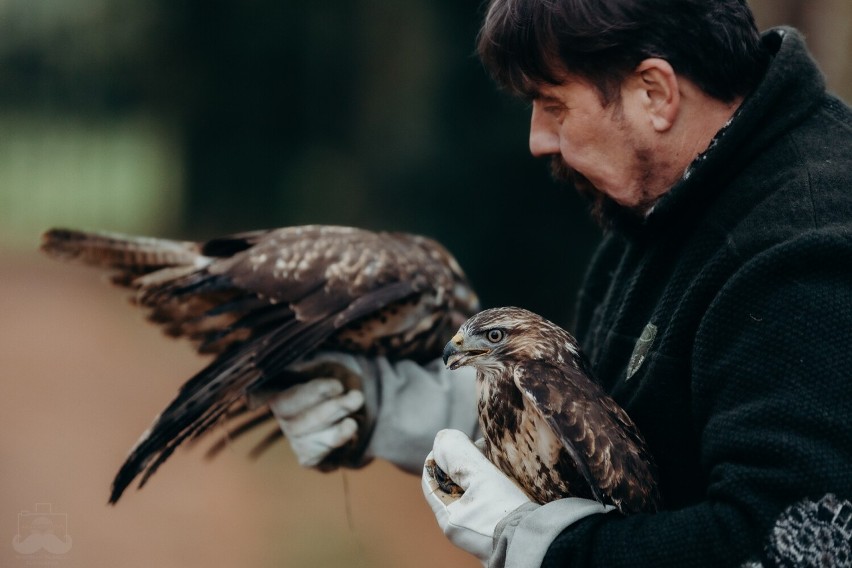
(656, 87)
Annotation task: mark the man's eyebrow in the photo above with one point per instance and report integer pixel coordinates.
(544, 92)
(539, 96)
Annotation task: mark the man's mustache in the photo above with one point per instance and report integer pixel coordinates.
(563, 173)
(602, 208)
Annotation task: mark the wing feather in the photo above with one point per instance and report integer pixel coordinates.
(261, 300)
(548, 390)
(602, 440)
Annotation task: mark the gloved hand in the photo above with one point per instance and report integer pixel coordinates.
(469, 520)
(494, 519)
(314, 417)
(397, 408)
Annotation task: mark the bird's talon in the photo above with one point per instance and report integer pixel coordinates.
(443, 480)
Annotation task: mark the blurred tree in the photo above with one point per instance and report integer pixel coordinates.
(366, 112)
(262, 82)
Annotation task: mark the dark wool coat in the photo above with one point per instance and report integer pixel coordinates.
(723, 324)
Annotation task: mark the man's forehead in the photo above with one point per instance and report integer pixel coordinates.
(545, 92)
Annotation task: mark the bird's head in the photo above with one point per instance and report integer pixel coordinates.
(497, 336)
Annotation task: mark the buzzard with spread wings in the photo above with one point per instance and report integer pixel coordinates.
(546, 423)
(261, 300)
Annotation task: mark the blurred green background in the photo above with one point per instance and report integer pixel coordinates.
(195, 118)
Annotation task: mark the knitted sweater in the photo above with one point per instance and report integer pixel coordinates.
(722, 323)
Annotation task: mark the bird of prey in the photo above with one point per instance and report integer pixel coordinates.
(261, 300)
(546, 423)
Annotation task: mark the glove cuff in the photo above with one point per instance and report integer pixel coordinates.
(415, 402)
(532, 528)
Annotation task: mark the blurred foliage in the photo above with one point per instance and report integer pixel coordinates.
(201, 117)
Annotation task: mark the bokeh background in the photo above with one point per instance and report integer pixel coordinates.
(195, 118)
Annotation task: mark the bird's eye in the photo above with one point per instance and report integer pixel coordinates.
(495, 335)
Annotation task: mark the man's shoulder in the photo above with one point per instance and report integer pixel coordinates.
(836, 111)
(801, 184)
(824, 139)
(826, 150)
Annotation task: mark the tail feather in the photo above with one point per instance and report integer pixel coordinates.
(199, 404)
(267, 442)
(244, 427)
(122, 252)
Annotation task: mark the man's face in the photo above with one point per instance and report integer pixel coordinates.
(601, 150)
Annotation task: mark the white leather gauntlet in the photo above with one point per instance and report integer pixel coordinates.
(403, 405)
(494, 519)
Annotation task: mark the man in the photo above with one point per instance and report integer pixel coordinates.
(717, 311)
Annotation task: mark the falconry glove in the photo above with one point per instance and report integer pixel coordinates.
(493, 519)
(389, 411)
(314, 417)
(468, 519)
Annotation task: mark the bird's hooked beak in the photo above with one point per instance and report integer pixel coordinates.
(456, 354)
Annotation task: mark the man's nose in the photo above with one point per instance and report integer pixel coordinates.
(544, 135)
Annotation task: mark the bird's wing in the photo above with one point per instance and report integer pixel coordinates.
(229, 289)
(554, 397)
(599, 436)
(263, 299)
(170, 279)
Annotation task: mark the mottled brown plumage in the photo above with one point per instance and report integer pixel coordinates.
(260, 301)
(546, 422)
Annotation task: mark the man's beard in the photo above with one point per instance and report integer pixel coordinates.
(603, 208)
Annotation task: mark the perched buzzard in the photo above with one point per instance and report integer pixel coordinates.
(261, 300)
(546, 422)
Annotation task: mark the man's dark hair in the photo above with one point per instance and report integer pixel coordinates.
(713, 43)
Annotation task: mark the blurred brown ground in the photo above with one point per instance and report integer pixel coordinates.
(83, 375)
